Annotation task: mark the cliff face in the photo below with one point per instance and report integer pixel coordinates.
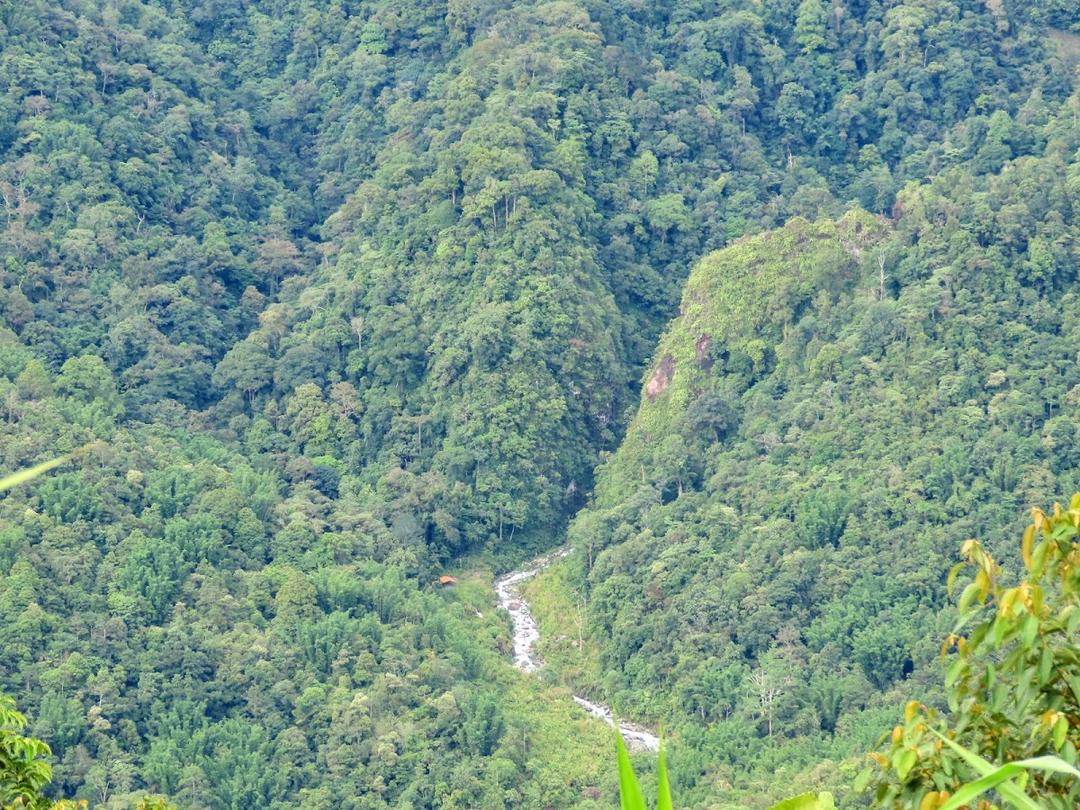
(736, 308)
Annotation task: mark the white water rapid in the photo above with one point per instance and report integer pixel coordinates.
(526, 633)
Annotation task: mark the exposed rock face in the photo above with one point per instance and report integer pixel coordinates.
(661, 378)
(701, 349)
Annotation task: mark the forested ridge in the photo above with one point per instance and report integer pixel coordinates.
(343, 296)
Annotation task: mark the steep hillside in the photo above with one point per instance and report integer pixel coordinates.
(502, 260)
(344, 293)
(761, 560)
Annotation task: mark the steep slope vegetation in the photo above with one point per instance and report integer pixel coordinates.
(761, 558)
(499, 273)
(345, 289)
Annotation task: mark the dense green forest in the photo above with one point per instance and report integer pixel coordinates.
(762, 306)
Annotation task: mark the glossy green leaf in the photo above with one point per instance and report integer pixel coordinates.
(999, 775)
(904, 761)
(1061, 730)
(1046, 666)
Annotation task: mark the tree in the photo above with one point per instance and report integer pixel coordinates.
(794, 111)
(821, 517)
(483, 725)
(87, 379)
(246, 367)
(743, 96)
(811, 25)
(766, 685)
(428, 249)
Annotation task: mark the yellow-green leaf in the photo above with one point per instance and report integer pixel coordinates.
(22, 476)
(1061, 730)
(904, 761)
(663, 788)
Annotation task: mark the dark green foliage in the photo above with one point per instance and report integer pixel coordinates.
(885, 397)
(482, 727)
(348, 291)
(821, 517)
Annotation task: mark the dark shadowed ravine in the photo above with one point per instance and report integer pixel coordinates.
(526, 633)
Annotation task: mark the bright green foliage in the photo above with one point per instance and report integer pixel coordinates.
(630, 795)
(760, 557)
(1013, 686)
(24, 766)
(24, 769)
(663, 786)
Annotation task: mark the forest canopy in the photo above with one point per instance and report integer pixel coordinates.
(757, 305)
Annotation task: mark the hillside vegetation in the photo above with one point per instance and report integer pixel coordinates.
(835, 403)
(347, 295)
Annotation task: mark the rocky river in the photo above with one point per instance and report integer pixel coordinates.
(526, 634)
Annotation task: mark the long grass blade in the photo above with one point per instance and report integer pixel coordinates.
(663, 787)
(630, 797)
(22, 476)
(806, 801)
(1008, 771)
(984, 768)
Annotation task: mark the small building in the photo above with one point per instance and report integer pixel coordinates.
(446, 580)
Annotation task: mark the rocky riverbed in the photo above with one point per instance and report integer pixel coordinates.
(526, 633)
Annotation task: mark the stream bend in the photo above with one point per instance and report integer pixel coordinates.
(526, 633)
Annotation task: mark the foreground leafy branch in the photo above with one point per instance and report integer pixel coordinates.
(25, 771)
(1013, 687)
(1013, 693)
(24, 767)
